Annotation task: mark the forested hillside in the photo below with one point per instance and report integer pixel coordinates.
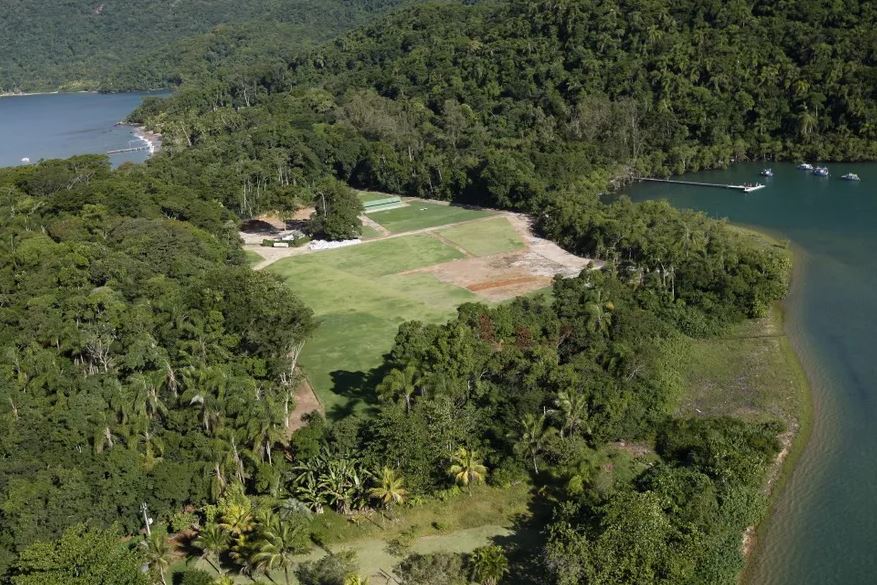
(138, 350)
(129, 44)
(498, 103)
(142, 362)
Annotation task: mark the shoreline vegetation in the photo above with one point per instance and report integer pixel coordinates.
(730, 376)
(786, 465)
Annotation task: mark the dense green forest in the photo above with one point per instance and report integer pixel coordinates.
(499, 103)
(142, 362)
(126, 44)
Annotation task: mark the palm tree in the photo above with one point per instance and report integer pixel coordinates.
(280, 541)
(157, 552)
(489, 565)
(212, 540)
(237, 518)
(597, 311)
(466, 467)
(806, 122)
(531, 437)
(390, 489)
(399, 384)
(572, 411)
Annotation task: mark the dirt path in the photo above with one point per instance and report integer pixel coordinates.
(272, 255)
(306, 402)
(366, 220)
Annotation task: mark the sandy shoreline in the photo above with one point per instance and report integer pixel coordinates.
(23, 94)
(793, 441)
(151, 139)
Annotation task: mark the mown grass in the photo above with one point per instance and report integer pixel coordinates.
(252, 257)
(421, 214)
(360, 300)
(369, 233)
(485, 238)
(366, 196)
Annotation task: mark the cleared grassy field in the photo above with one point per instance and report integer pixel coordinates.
(750, 372)
(361, 299)
(484, 238)
(421, 214)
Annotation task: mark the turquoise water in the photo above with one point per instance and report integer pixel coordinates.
(824, 529)
(61, 125)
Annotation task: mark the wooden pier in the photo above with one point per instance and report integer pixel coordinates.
(744, 188)
(131, 149)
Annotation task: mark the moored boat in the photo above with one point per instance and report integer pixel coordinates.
(821, 171)
(805, 167)
(851, 177)
(767, 173)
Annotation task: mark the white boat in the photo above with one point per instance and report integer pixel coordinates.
(805, 167)
(821, 171)
(767, 173)
(851, 177)
(749, 187)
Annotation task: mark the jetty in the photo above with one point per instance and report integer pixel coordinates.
(148, 147)
(744, 188)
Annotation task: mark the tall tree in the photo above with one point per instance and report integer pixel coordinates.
(212, 540)
(337, 210)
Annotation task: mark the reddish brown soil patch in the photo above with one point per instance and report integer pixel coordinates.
(489, 284)
(306, 402)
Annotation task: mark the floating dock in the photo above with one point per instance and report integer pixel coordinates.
(744, 188)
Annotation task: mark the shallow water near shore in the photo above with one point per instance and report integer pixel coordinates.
(824, 525)
(65, 124)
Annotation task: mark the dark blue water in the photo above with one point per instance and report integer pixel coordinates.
(824, 529)
(62, 125)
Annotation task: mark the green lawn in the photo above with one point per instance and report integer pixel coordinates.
(484, 238)
(360, 300)
(370, 233)
(366, 196)
(421, 214)
(252, 257)
(750, 372)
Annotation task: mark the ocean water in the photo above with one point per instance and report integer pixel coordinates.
(62, 125)
(824, 528)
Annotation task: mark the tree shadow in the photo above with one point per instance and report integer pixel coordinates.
(359, 390)
(525, 545)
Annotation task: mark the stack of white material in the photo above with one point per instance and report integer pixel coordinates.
(326, 245)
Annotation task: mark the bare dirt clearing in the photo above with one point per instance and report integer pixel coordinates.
(500, 277)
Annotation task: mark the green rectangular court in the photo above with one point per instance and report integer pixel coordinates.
(419, 215)
(360, 299)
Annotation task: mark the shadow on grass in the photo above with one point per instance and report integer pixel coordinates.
(525, 545)
(359, 390)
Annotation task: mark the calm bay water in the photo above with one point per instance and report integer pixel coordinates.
(824, 528)
(62, 125)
